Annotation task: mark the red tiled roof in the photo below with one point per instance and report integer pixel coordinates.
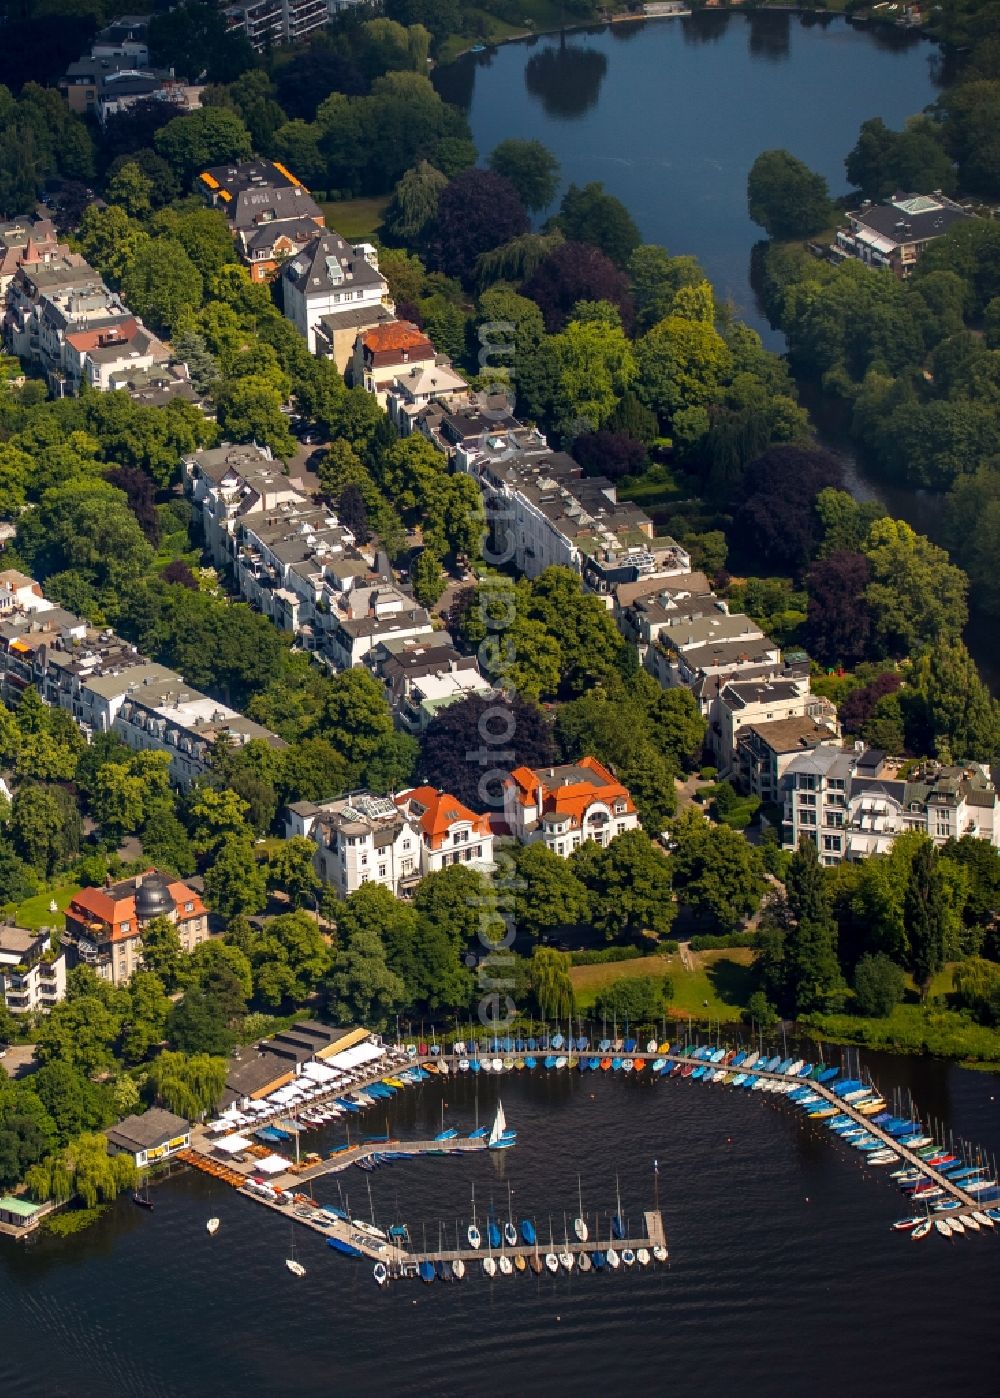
(572, 799)
(121, 333)
(397, 335)
(116, 906)
(437, 811)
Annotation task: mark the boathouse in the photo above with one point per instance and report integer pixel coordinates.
(153, 1135)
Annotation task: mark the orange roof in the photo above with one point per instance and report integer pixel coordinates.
(84, 340)
(397, 335)
(571, 799)
(437, 811)
(101, 904)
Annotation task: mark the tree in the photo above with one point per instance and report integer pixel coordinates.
(590, 215)
(45, 826)
(189, 1085)
(414, 204)
(594, 366)
(468, 747)
(215, 816)
(196, 1024)
(86, 1168)
(361, 988)
(551, 984)
(839, 623)
(948, 710)
(813, 971)
(780, 488)
(194, 40)
(428, 578)
(289, 959)
(878, 985)
(786, 198)
(353, 514)
(250, 411)
(110, 240)
(916, 596)
(575, 272)
(682, 363)
(715, 872)
(611, 454)
(161, 950)
(478, 210)
(884, 161)
(634, 1001)
(630, 885)
(145, 1020)
(73, 1102)
(131, 189)
(204, 235)
(552, 897)
(208, 136)
(531, 168)
(925, 916)
(234, 881)
(290, 867)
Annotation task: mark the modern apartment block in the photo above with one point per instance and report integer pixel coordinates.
(32, 970)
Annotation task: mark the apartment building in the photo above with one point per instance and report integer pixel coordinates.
(329, 276)
(32, 970)
(107, 686)
(855, 803)
(766, 750)
(359, 839)
(367, 615)
(424, 675)
(28, 242)
(745, 702)
(271, 213)
(268, 23)
(449, 832)
(563, 806)
(104, 926)
(610, 568)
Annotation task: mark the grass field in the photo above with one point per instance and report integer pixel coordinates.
(34, 912)
(716, 988)
(356, 218)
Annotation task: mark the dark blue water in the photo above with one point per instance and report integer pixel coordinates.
(785, 1278)
(671, 114)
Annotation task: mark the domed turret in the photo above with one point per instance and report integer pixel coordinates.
(153, 898)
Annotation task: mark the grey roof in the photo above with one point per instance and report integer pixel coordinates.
(330, 264)
(268, 206)
(152, 1128)
(361, 318)
(739, 693)
(791, 734)
(912, 218)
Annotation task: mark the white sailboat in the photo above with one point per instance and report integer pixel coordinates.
(295, 1267)
(212, 1225)
(499, 1128)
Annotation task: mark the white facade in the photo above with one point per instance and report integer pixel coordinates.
(359, 839)
(32, 972)
(329, 276)
(565, 806)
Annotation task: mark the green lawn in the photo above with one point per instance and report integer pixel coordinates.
(723, 979)
(34, 912)
(356, 218)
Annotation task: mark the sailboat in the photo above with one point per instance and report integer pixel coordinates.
(212, 1226)
(618, 1223)
(579, 1226)
(296, 1268)
(500, 1138)
(509, 1231)
(474, 1235)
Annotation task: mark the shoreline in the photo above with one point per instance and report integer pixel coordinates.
(626, 17)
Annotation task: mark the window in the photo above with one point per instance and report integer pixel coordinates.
(381, 871)
(189, 907)
(126, 926)
(831, 842)
(807, 817)
(364, 859)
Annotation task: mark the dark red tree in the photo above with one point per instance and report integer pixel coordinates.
(353, 514)
(506, 733)
(611, 454)
(859, 705)
(477, 212)
(778, 523)
(839, 624)
(141, 494)
(577, 272)
(178, 572)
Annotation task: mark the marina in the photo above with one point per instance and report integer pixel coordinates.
(241, 1149)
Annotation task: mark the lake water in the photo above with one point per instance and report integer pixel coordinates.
(671, 114)
(784, 1279)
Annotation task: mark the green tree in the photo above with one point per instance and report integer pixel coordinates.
(531, 168)
(590, 215)
(428, 578)
(682, 362)
(250, 411)
(209, 136)
(551, 983)
(878, 985)
(131, 189)
(145, 1019)
(716, 872)
(361, 988)
(289, 959)
(290, 867)
(235, 882)
(110, 240)
(189, 1085)
(916, 596)
(594, 366)
(552, 897)
(215, 816)
(634, 1000)
(925, 916)
(413, 207)
(161, 950)
(785, 197)
(815, 981)
(630, 885)
(86, 1168)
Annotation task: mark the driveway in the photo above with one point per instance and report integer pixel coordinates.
(19, 1060)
